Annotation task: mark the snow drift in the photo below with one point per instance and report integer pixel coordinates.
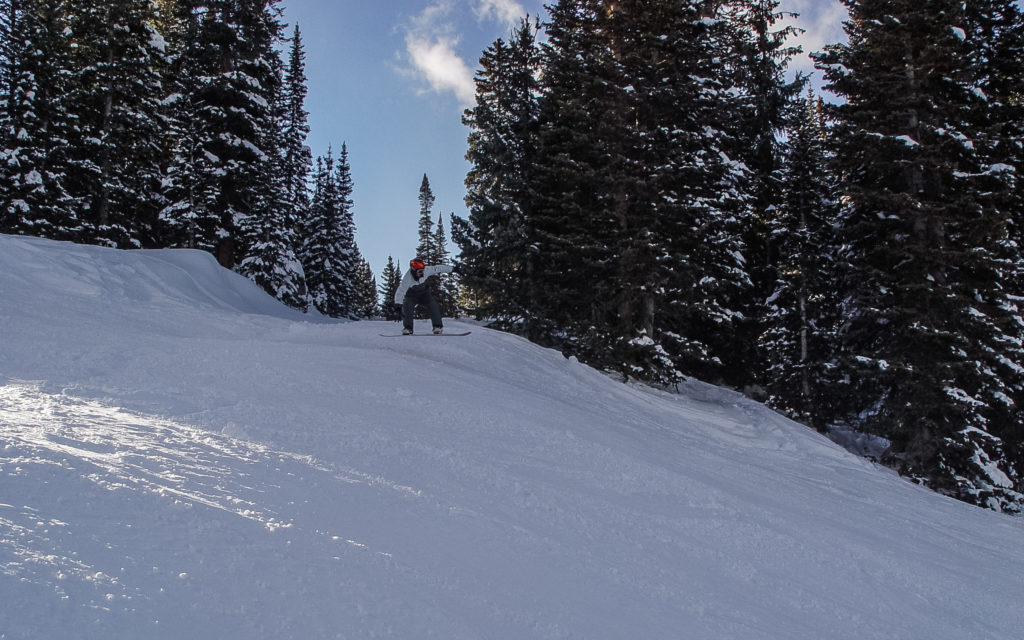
(180, 456)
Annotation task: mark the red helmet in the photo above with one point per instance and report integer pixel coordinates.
(416, 263)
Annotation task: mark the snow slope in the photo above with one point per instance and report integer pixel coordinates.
(180, 457)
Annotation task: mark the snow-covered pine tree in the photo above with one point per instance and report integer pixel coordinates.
(8, 74)
(706, 198)
(366, 289)
(227, 80)
(114, 101)
(495, 253)
(329, 256)
(572, 227)
(426, 248)
(995, 33)
(799, 316)
(8, 20)
(190, 217)
(759, 58)
(390, 279)
(298, 160)
(269, 231)
(447, 287)
(36, 141)
(639, 261)
(923, 340)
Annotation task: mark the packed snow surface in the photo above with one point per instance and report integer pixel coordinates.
(181, 457)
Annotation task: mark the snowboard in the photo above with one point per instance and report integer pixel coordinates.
(432, 335)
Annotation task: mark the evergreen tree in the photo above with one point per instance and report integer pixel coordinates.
(571, 262)
(759, 57)
(269, 231)
(227, 74)
(190, 217)
(297, 159)
(330, 257)
(924, 342)
(9, 10)
(639, 260)
(9, 19)
(447, 288)
(39, 131)
(995, 33)
(799, 320)
(390, 279)
(426, 249)
(115, 92)
(495, 254)
(366, 289)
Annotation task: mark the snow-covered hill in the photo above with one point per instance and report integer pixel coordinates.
(180, 457)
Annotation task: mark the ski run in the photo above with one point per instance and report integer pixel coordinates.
(183, 457)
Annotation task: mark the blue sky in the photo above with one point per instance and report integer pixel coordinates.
(391, 79)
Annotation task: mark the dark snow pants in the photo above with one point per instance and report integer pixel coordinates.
(420, 298)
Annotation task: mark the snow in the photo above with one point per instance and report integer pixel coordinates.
(181, 456)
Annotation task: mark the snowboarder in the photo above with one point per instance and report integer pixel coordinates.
(414, 291)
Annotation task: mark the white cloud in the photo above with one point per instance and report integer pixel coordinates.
(502, 10)
(430, 50)
(434, 59)
(431, 46)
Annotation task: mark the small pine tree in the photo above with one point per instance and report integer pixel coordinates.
(447, 289)
(297, 161)
(366, 286)
(390, 279)
(426, 249)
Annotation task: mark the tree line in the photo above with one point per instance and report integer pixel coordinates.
(652, 192)
(176, 123)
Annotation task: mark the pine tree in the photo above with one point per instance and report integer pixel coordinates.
(39, 131)
(495, 254)
(227, 74)
(8, 58)
(639, 260)
(923, 341)
(269, 230)
(800, 318)
(447, 288)
(329, 256)
(571, 273)
(114, 102)
(759, 58)
(9, 54)
(366, 288)
(426, 249)
(390, 279)
(297, 158)
(190, 217)
(995, 33)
